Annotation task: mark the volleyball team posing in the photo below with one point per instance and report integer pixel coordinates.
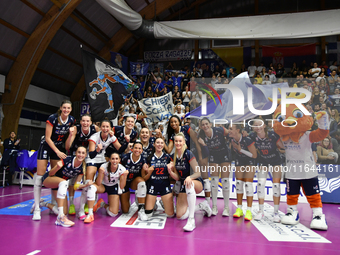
(102, 157)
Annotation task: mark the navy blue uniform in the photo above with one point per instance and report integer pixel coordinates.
(148, 150)
(218, 149)
(58, 134)
(120, 134)
(185, 130)
(81, 139)
(134, 168)
(268, 153)
(183, 167)
(159, 182)
(68, 170)
(240, 158)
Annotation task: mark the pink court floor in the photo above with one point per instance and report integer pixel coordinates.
(20, 235)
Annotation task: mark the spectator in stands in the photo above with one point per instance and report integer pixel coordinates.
(293, 70)
(263, 73)
(260, 67)
(185, 79)
(217, 71)
(271, 67)
(335, 99)
(158, 84)
(177, 99)
(332, 79)
(167, 83)
(258, 78)
(178, 112)
(266, 80)
(323, 87)
(148, 92)
(186, 96)
(323, 65)
(11, 147)
(272, 76)
(315, 71)
(196, 97)
(156, 72)
(280, 71)
(207, 72)
(325, 152)
(252, 69)
(177, 81)
(224, 74)
(336, 144)
(334, 120)
(243, 68)
(232, 74)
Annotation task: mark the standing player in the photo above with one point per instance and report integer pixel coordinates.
(80, 137)
(134, 162)
(191, 182)
(213, 138)
(147, 141)
(111, 179)
(158, 179)
(97, 145)
(244, 155)
(267, 144)
(51, 147)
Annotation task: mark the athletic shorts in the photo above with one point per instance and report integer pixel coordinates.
(310, 186)
(183, 190)
(97, 165)
(45, 152)
(111, 190)
(45, 177)
(219, 157)
(158, 189)
(204, 151)
(245, 162)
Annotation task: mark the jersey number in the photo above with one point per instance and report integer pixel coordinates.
(159, 170)
(130, 176)
(180, 172)
(264, 152)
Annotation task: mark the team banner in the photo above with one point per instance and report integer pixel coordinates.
(119, 61)
(101, 79)
(167, 55)
(157, 108)
(139, 68)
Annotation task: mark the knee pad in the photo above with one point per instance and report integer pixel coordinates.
(186, 215)
(207, 185)
(276, 190)
(261, 185)
(214, 182)
(190, 190)
(225, 184)
(38, 181)
(110, 213)
(249, 189)
(239, 187)
(177, 187)
(141, 190)
(91, 193)
(62, 189)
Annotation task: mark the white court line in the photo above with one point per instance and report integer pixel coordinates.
(17, 194)
(33, 252)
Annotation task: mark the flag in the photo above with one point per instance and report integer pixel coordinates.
(107, 87)
(119, 61)
(260, 100)
(139, 68)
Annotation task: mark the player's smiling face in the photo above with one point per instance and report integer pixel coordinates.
(105, 127)
(114, 159)
(66, 109)
(130, 122)
(85, 122)
(174, 124)
(205, 125)
(137, 149)
(159, 144)
(258, 127)
(179, 142)
(144, 134)
(81, 153)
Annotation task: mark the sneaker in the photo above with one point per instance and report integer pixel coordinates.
(248, 215)
(214, 210)
(86, 209)
(72, 210)
(81, 216)
(33, 205)
(225, 211)
(36, 214)
(64, 221)
(141, 215)
(204, 206)
(98, 205)
(259, 216)
(238, 213)
(291, 217)
(190, 226)
(276, 218)
(319, 222)
(89, 218)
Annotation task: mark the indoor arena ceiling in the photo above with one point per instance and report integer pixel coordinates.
(60, 67)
